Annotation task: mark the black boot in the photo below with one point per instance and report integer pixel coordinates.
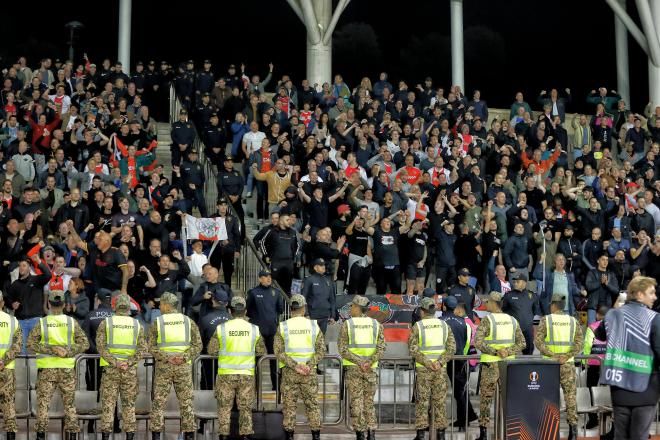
(371, 435)
(421, 434)
(483, 433)
(11, 436)
(105, 436)
(440, 434)
(288, 435)
(73, 436)
(359, 435)
(130, 435)
(41, 436)
(593, 421)
(316, 435)
(223, 437)
(572, 432)
(189, 436)
(155, 436)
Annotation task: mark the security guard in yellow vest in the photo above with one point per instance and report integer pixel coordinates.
(361, 343)
(121, 344)
(431, 344)
(174, 341)
(498, 338)
(11, 344)
(236, 343)
(299, 346)
(56, 340)
(560, 337)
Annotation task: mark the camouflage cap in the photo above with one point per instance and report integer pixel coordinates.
(123, 302)
(238, 303)
(495, 296)
(56, 297)
(427, 304)
(361, 301)
(298, 301)
(556, 297)
(169, 298)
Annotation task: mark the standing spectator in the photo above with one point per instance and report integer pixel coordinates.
(280, 247)
(387, 269)
(26, 295)
(602, 287)
(230, 246)
(109, 268)
(210, 291)
(558, 280)
(278, 180)
(515, 253)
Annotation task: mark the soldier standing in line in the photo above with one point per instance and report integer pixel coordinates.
(498, 338)
(559, 337)
(299, 346)
(236, 343)
(57, 340)
(174, 342)
(431, 344)
(361, 344)
(11, 344)
(121, 344)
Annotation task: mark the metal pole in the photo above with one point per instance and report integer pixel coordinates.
(71, 43)
(621, 44)
(653, 24)
(457, 76)
(124, 37)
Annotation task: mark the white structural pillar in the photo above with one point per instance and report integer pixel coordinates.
(124, 37)
(654, 62)
(320, 22)
(621, 44)
(457, 60)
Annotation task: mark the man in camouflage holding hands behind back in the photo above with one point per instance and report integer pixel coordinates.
(431, 344)
(498, 338)
(560, 337)
(11, 340)
(57, 340)
(299, 346)
(174, 342)
(121, 344)
(361, 344)
(236, 343)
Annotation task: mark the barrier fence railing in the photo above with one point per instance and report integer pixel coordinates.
(393, 398)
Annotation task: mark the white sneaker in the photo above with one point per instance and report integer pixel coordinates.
(248, 195)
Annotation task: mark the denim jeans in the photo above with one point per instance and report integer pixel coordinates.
(26, 327)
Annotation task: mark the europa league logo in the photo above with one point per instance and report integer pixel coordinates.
(534, 376)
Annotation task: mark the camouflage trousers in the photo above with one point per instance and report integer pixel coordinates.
(117, 383)
(7, 395)
(296, 386)
(567, 381)
(240, 387)
(431, 390)
(166, 376)
(48, 380)
(490, 374)
(361, 389)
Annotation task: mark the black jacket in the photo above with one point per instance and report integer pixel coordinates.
(29, 292)
(264, 306)
(522, 306)
(601, 294)
(209, 322)
(206, 306)
(458, 328)
(319, 292)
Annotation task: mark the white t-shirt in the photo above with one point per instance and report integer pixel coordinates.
(253, 141)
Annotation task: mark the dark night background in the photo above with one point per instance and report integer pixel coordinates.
(510, 45)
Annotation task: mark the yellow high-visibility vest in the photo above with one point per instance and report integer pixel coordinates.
(121, 336)
(466, 349)
(432, 338)
(560, 331)
(502, 335)
(8, 325)
(173, 333)
(299, 336)
(238, 342)
(362, 338)
(56, 331)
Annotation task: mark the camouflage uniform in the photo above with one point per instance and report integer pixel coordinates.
(567, 378)
(64, 379)
(115, 381)
(238, 386)
(431, 386)
(361, 386)
(296, 386)
(168, 375)
(490, 372)
(8, 382)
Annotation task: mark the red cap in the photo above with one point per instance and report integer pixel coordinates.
(343, 208)
(632, 185)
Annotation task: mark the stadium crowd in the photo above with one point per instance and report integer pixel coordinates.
(415, 187)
